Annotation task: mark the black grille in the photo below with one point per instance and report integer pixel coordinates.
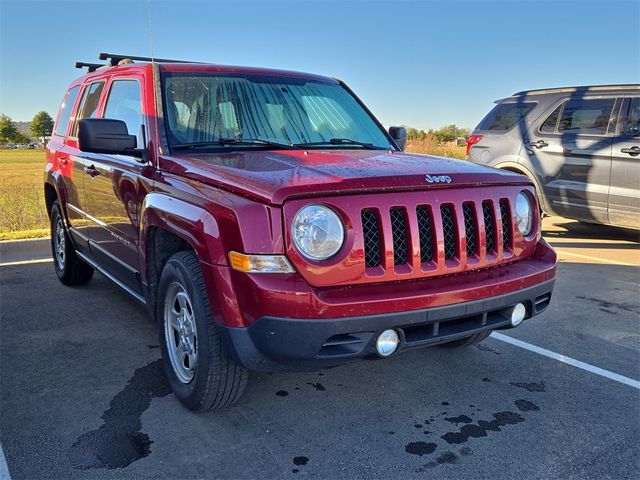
(506, 224)
(399, 232)
(470, 228)
(489, 226)
(371, 235)
(449, 230)
(426, 235)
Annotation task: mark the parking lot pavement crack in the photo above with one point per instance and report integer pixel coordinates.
(119, 440)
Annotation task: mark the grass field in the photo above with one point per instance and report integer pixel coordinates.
(22, 211)
(424, 146)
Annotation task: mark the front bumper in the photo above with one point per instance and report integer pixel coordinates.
(286, 344)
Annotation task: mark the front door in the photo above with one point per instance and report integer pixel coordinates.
(624, 194)
(572, 149)
(114, 191)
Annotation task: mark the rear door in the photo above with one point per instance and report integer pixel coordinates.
(113, 191)
(570, 151)
(624, 194)
(79, 223)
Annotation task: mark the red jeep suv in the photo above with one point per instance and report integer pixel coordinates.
(269, 222)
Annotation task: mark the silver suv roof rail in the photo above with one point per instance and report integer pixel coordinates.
(592, 88)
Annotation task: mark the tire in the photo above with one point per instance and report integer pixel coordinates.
(200, 373)
(467, 341)
(69, 268)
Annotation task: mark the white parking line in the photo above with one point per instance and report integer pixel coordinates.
(26, 262)
(4, 469)
(568, 360)
(560, 251)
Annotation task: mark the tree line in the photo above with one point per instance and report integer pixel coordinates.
(448, 133)
(40, 127)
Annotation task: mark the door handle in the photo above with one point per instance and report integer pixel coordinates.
(539, 144)
(633, 151)
(91, 170)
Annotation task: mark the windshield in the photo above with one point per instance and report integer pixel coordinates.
(248, 111)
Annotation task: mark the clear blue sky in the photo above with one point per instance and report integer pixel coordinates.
(423, 64)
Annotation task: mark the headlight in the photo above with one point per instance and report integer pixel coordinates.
(524, 214)
(317, 232)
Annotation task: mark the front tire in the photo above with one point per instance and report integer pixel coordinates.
(199, 371)
(468, 341)
(69, 268)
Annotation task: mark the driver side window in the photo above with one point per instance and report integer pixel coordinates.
(125, 103)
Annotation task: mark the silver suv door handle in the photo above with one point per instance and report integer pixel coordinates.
(633, 151)
(539, 144)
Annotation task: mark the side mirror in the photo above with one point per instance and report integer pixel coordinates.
(399, 135)
(103, 135)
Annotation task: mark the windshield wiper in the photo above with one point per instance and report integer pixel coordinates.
(341, 141)
(231, 141)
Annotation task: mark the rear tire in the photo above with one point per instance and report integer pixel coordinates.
(199, 371)
(467, 341)
(69, 268)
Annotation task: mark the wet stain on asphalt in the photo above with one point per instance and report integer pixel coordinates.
(459, 419)
(485, 379)
(486, 348)
(301, 460)
(318, 386)
(119, 442)
(447, 457)
(445, 403)
(282, 393)
(531, 387)
(526, 406)
(606, 306)
(420, 448)
(482, 427)
(417, 425)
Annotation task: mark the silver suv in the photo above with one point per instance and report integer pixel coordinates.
(579, 145)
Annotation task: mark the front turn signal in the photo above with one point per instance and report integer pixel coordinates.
(260, 263)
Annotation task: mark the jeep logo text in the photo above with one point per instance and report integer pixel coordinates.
(438, 178)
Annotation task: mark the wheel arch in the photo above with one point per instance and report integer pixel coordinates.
(522, 170)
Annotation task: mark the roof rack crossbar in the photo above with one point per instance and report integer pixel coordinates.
(91, 67)
(115, 58)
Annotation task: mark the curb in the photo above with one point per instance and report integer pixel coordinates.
(24, 250)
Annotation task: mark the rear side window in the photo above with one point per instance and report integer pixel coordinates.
(632, 124)
(88, 105)
(65, 112)
(586, 116)
(124, 103)
(505, 115)
(551, 123)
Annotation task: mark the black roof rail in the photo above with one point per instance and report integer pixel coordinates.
(115, 58)
(590, 88)
(91, 67)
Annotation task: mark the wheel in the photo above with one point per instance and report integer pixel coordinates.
(69, 268)
(199, 371)
(466, 341)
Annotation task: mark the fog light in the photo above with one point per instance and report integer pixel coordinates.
(517, 315)
(387, 343)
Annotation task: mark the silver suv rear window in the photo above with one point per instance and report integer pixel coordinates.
(505, 115)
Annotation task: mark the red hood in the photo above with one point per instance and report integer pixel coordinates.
(273, 176)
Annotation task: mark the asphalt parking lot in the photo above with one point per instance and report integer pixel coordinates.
(83, 394)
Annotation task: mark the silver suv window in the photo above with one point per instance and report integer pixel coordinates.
(586, 116)
(505, 115)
